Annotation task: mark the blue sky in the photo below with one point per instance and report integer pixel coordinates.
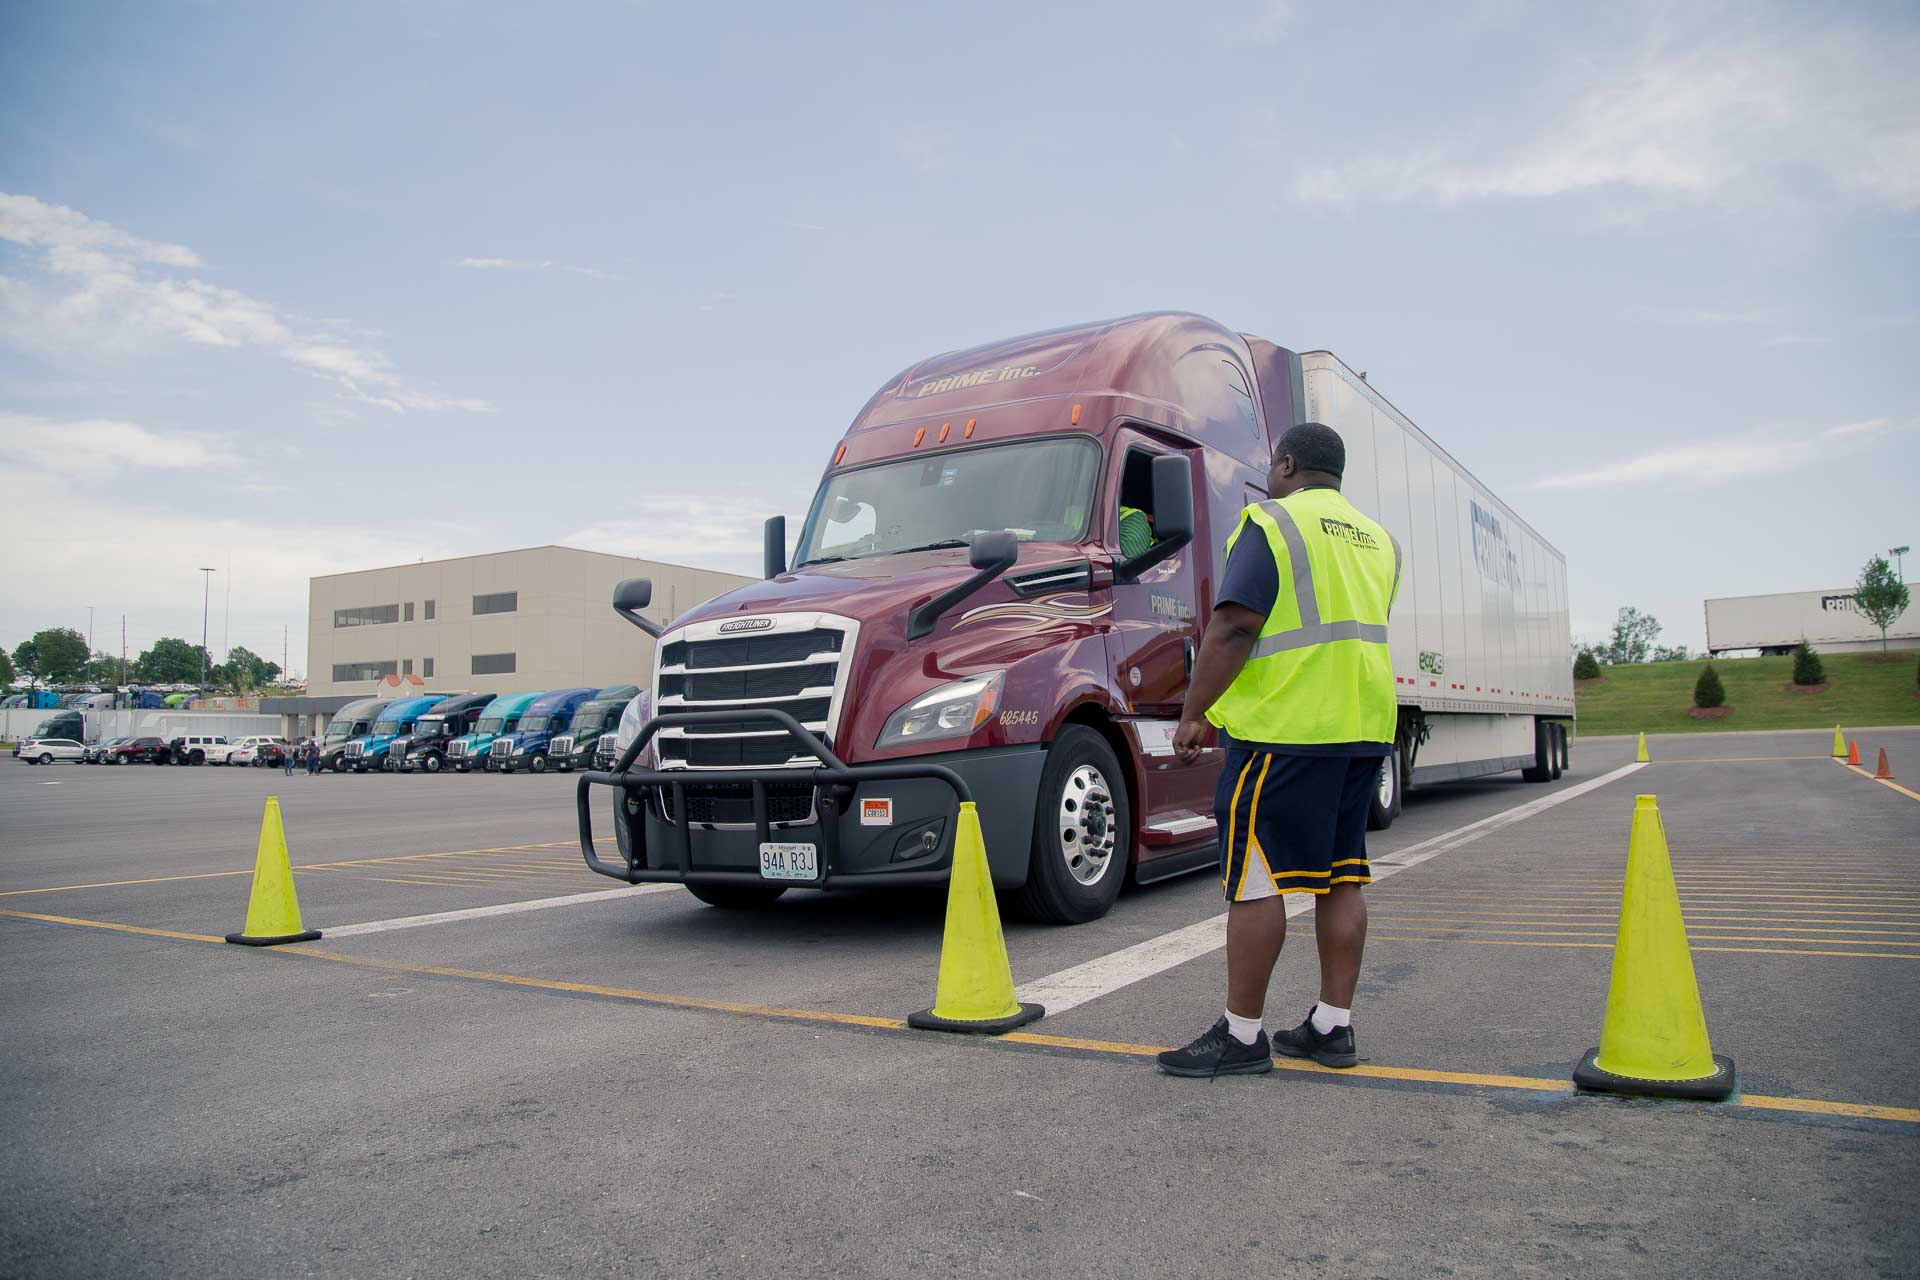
(309, 288)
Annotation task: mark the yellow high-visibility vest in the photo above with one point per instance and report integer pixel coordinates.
(1319, 672)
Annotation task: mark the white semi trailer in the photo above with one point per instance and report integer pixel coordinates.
(1481, 632)
(1830, 621)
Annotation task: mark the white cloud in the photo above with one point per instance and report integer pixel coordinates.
(1712, 461)
(532, 264)
(1271, 20)
(1705, 317)
(1793, 340)
(714, 532)
(105, 291)
(95, 446)
(1754, 120)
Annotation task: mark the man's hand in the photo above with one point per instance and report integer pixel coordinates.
(1190, 739)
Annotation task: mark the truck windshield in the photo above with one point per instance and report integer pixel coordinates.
(590, 718)
(534, 724)
(489, 725)
(430, 729)
(1039, 491)
(385, 728)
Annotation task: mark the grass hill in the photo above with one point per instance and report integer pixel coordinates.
(1654, 696)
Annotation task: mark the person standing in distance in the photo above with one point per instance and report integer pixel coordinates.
(1294, 671)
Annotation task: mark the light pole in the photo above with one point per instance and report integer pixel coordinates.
(1898, 553)
(206, 598)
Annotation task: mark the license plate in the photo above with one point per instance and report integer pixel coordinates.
(789, 862)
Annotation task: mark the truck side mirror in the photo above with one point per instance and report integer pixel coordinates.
(631, 596)
(1172, 515)
(773, 547)
(991, 554)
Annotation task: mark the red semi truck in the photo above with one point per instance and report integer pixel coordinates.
(960, 620)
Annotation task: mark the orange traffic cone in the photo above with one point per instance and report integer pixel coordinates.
(1883, 773)
(1853, 752)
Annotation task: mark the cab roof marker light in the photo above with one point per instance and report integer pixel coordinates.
(918, 436)
(1076, 416)
(970, 422)
(840, 455)
(944, 428)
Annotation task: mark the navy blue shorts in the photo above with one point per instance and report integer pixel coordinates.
(1292, 824)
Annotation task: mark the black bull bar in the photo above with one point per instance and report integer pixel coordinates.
(830, 772)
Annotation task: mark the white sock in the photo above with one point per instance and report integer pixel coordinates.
(1326, 1018)
(1245, 1030)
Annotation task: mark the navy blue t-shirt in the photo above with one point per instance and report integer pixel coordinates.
(1252, 581)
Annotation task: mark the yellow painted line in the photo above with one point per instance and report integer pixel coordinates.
(1554, 904)
(1885, 782)
(1739, 759)
(117, 928)
(1694, 928)
(115, 884)
(1420, 1075)
(1608, 946)
(1558, 915)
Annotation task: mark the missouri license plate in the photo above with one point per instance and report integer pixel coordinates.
(789, 862)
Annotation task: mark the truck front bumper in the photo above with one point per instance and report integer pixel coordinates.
(888, 823)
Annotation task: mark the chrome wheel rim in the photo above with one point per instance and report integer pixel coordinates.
(1389, 782)
(1088, 825)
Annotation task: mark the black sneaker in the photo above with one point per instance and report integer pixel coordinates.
(1217, 1053)
(1334, 1049)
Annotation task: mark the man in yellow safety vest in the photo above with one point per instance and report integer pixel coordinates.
(1294, 672)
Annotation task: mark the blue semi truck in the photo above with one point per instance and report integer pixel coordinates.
(529, 746)
(502, 715)
(396, 718)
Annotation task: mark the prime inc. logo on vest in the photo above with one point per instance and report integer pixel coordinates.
(1341, 529)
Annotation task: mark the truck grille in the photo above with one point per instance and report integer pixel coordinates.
(562, 745)
(797, 665)
(458, 749)
(355, 750)
(731, 804)
(606, 751)
(501, 748)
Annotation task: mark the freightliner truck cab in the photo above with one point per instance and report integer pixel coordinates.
(426, 747)
(528, 745)
(396, 718)
(355, 720)
(599, 715)
(502, 715)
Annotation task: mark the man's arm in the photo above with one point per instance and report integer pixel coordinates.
(1223, 651)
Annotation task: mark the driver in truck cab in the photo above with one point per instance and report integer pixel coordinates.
(1294, 671)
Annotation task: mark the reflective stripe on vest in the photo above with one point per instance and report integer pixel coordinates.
(1320, 671)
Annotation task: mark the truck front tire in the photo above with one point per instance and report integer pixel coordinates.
(1082, 832)
(736, 897)
(539, 762)
(1385, 804)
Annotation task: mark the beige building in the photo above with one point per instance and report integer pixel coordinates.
(502, 623)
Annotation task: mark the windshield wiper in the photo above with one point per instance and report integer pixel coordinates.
(941, 545)
(820, 560)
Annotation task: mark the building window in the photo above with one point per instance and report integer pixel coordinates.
(498, 602)
(370, 615)
(493, 664)
(407, 616)
(406, 664)
(426, 664)
(347, 672)
(429, 611)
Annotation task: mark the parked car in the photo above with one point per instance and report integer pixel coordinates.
(97, 752)
(251, 749)
(48, 750)
(139, 751)
(192, 748)
(224, 753)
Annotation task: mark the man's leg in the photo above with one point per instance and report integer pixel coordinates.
(1340, 933)
(1255, 933)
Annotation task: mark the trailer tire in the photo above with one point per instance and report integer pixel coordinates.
(1557, 748)
(1385, 804)
(1541, 770)
(1083, 798)
(1566, 748)
(736, 897)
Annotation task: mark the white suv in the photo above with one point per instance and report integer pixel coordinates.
(48, 750)
(194, 748)
(224, 751)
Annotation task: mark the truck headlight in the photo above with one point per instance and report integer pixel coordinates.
(951, 711)
(632, 720)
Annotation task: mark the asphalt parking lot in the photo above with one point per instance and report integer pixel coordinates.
(625, 1079)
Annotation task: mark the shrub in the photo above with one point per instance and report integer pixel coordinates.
(1586, 666)
(1707, 691)
(1806, 665)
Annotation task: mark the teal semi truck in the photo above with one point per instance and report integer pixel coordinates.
(529, 746)
(355, 720)
(425, 748)
(600, 714)
(469, 750)
(396, 718)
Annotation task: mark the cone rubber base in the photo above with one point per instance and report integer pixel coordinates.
(1590, 1075)
(241, 939)
(928, 1020)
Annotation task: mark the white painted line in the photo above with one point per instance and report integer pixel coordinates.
(1071, 988)
(500, 909)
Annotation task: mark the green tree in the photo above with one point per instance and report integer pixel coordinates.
(1633, 635)
(1707, 690)
(171, 661)
(1669, 653)
(1882, 597)
(6, 668)
(53, 656)
(245, 670)
(1807, 667)
(102, 668)
(1586, 666)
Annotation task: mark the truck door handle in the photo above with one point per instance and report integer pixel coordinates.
(1192, 652)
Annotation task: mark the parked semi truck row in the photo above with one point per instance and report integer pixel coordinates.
(961, 607)
(425, 748)
(529, 744)
(502, 715)
(598, 717)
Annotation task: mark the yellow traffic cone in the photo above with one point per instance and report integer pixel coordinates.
(1641, 756)
(1839, 744)
(975, 990)
(273, 913)
(1654, 1041)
